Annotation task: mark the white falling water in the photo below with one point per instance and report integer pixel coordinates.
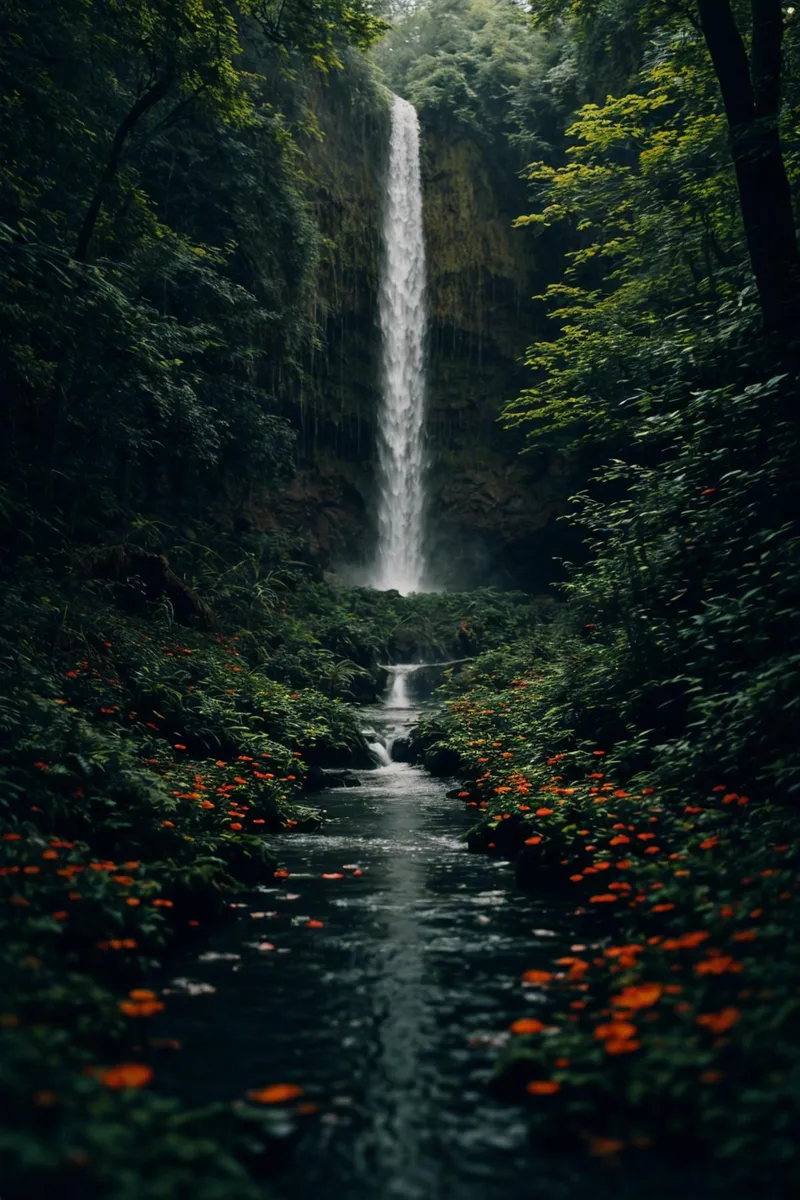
(398, 696)
(401, 454)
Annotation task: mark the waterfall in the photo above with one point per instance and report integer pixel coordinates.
(401, 454)
(398, 696)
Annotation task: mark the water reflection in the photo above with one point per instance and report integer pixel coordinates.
(388, 1015)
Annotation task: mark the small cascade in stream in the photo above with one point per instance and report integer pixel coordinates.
(399, 707)
(382, 753)
(401, 455)
(398, 696)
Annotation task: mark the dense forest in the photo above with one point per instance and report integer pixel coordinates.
(191, 206)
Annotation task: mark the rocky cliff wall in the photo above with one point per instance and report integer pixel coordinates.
(491, 511)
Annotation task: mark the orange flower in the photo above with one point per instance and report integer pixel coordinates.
(313, 924)
(126, 1075)
(619, 840)
(140, 1008)
(625, 1046)
(720, 1021)
(532, 841)
(537, 977)
(720, 964)
(276, 1093)
(686, 941)
(543, 1087)
(544, 812)
(623, 951)
(603, 1147)
(615, 1031)
(526, 1025)
(642, 995)
(603, 898)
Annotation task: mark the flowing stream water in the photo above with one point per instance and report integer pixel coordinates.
(391, 1013)
(401, 447)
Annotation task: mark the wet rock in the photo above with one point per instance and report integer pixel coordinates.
(464, 791)
(341, 779)
(319, 779)
(315, 779)
(441, 760)
(402, 750)
(527, 869)
(534, 875)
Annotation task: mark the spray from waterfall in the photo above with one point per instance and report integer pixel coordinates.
(401, 448)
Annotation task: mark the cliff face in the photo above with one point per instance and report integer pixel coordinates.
(491, 506)
(491, 511)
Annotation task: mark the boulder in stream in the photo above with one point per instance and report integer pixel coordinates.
(319, 779)
(441, 760)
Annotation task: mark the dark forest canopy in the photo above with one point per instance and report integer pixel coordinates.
(190, 194)
(160, 243)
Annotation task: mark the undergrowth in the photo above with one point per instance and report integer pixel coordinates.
(146, 766)
(639, 757)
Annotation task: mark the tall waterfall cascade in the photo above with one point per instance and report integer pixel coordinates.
(401, 442)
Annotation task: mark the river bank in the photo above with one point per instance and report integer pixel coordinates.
(684, 989)
(375, 978)
(150, 770)
(362, 997)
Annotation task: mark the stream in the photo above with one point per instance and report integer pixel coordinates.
(390, 1014)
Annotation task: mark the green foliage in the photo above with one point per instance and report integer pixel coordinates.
(689, 899)
(160, 253)
(156, 373)
(143, 770)
(639, 754)
(146, 767)
(649, 196)
(480, 70)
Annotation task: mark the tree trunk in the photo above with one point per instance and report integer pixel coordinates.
(146, 101)
(751, 95)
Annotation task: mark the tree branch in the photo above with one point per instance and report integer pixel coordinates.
(145, 102)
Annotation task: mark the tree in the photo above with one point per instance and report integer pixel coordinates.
(751, 88)
(159, 243)
(751, 93)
